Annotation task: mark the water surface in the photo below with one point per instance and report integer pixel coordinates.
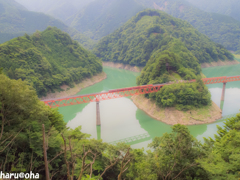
(122, 120)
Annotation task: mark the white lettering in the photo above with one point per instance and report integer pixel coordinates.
(7, 176)
(37, 176)
(27, 175)
(16, 175)
(11, 175)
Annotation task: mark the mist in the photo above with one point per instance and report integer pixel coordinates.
(61, 9)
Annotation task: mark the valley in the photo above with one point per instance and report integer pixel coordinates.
(119, 89)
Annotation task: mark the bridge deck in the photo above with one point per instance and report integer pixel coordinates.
(124, 92)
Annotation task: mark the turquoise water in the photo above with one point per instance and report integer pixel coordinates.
(121, 120)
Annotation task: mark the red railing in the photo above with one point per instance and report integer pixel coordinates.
(124, 92)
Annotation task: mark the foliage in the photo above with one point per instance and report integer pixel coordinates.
(183, 96)
(222, 160)
(72, 154)
(16, 20)
(47, 60)
(175, 155)
(151, 30)
(220, 28)
(21, 118)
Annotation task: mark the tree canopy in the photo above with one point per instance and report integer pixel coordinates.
(151, 30)
(47, 60)
(15, 20)
(71, 154)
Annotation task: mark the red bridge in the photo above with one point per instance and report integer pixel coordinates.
(124, 92)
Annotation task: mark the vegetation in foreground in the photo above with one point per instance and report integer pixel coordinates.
(47, 60)
(71, 154)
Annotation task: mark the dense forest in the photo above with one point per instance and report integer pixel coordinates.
(71, 154)
(151, 30)
(47, 60)
(15, 20)
(174, 64)
(230, 7)
(220, 28)
(96, 19)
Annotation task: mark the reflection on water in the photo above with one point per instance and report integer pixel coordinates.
(122, 120)
(232, 98)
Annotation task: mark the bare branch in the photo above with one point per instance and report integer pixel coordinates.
(54, 174)
(11, 141)
(45, 154)
(56, 156)
(6, 139)
(184, 170)
(65, 157)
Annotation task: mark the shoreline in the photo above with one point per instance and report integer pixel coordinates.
(173, 116)
(122, 66)
(139, 69)
(219, 63)
(77, 87)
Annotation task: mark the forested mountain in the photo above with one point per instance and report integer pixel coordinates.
(47, 60)
(152, 30)
(227, 7)
(15, 20)
(174, 155)
(61, 9)
(155, 39)
(102, 17)
(220, 28)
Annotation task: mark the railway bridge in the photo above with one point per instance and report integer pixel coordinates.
(124, 92)
(130, 91)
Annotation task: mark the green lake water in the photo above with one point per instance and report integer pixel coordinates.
(121, 120)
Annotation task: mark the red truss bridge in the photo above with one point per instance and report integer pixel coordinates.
(130, 91)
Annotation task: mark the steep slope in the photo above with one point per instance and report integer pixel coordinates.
(152, 30)
(229, 7)
(102, 17)
(219, 28)
(15, 21)
(60, 9)
(47, 60)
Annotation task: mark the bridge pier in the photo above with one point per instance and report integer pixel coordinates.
(223, 94)
(98, 121)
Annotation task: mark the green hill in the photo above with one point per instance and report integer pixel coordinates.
(101, 17)
(47, 60)
(153, 30)
(15, 20)
(221, 29)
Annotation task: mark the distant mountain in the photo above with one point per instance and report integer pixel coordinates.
(61, 9)
(98, 18)
(16, 20)
(47, 60)
(102, 17)
(220, 28)
(153, 30)
(227, 7)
